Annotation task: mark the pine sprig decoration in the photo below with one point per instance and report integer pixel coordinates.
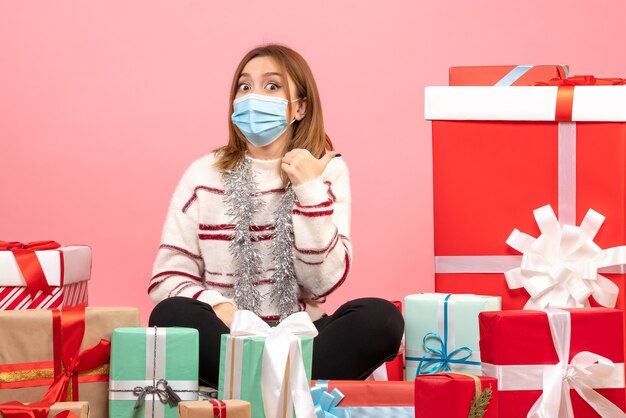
(285, 288)
(479, 403)
(239, 195)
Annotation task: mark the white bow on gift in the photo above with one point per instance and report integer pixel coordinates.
(560, 268)
(285, 386)
(580, 375)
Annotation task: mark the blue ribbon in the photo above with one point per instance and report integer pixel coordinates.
(517, 72)
(325, 403)
(438, 359)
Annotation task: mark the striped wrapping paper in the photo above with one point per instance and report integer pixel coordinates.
(67, 270)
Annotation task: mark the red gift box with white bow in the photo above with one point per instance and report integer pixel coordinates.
(555, 362)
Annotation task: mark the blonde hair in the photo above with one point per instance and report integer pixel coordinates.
(307, 133)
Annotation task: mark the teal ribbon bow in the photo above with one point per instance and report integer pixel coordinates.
(325, 403)
(438, 359)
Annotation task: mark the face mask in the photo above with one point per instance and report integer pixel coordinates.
(262, 119)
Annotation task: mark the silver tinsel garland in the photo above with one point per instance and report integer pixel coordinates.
(285, 289)
(243, 204)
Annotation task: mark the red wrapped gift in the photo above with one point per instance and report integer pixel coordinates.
(455, 395)
(43, 275)
(505, 75)
(500, 152)
(358, 398)
(565, 362)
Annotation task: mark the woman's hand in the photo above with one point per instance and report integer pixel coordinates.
(301, 166)
(225, 312)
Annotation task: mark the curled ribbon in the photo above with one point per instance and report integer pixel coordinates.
(560, 268)
(68, 332)
(325, 402)
(579, 375)
(283, 377)
(29, 264)
(162, 389)
(441, 359)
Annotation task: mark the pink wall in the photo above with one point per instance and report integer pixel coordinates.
(104, 104)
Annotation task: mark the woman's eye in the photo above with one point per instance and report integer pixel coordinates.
(272, 86)
(244, 87)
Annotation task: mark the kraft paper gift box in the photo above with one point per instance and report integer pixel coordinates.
(233, 408)
(43, 275)
(442, 332)
(38, 344)
(505, 75)
(544, 359)
(147, 365)
(363, 399)
(501, 152)
(455, 395)
(43, 410)
(268, 367)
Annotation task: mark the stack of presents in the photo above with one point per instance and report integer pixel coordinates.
(530, 254)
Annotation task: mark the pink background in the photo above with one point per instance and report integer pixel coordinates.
(104, 104)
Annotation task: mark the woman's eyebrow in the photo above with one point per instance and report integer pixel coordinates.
(268, 74)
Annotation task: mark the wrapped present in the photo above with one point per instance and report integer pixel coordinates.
(505, 75)
(268, 367)
(555, 363)
(44, 410)
(500, 152)
(59, 355)
(363, 399)
(232, 408)
(152, 369)
(442, 332)
(456, 395)
(43, 275)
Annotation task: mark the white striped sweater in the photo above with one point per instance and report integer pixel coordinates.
(194, 259)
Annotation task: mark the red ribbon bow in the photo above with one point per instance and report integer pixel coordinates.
(29, 264)
(32, 410)
(565, 93)
(219, 408)
(68, 331)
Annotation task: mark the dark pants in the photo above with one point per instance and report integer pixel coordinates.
(360, 336)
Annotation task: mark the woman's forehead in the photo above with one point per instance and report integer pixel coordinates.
(262, 66)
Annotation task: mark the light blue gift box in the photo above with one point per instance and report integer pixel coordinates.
(442, 332)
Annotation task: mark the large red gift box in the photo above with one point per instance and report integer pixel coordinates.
(451, 395)
(520, 349)
(510, 75)
(43, 275)
(501, 152)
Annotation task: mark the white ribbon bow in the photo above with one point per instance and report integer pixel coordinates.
(284, 383)
(580, 375)
(560, 268)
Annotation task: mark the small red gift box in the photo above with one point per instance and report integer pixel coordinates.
(43, 275)
(545, 358)
(453, 395)
(509, 75)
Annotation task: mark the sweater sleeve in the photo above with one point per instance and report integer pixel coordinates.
(179, 266)
(321, 223)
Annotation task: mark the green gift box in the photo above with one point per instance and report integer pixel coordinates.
(241, 371)
(150, 369)
(442, 332)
